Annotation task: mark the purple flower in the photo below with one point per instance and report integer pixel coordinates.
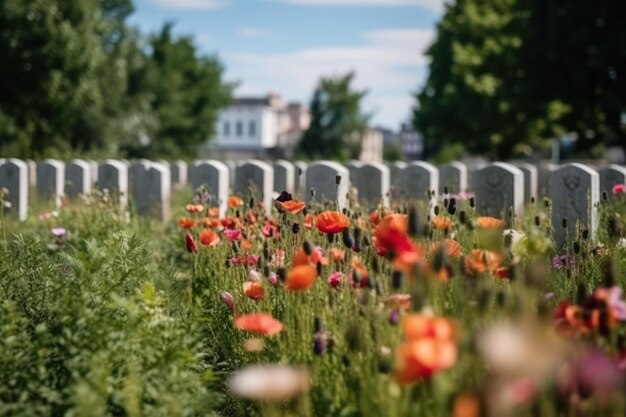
(59, 231)
(563, 261)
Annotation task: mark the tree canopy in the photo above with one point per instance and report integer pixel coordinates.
(337, 121)
(76, 78)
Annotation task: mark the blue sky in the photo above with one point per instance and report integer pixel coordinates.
(284, 46)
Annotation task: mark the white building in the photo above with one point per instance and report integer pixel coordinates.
(257, 127)
(372, 146)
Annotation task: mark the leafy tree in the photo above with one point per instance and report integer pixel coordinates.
(185, 93)
(337, 122)
(481, 90)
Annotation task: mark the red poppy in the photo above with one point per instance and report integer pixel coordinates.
(210, 222)
(308, 221)
(254, 290)
(332, 222)
(260, 323)
(300, 278)
(234, 202)
(209, 238)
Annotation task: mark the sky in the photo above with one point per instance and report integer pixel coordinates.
(285, 46)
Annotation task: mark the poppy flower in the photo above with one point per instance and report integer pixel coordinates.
(489, 223)
(338, 255)
(284, 196)
(399, 301)
(246, 245)
(442, 222)
(252, 217)
(209, 238)
(234, 202)
(316, 257)
(210, 222)
(374, 218)
(214, 212)
(260, 323)
(293, 206)
(253, 290)
(332, 222)
(451, 247)
(390, 234)
(191, 244)
(233, 235)
(360, 268)
(278, 258)
(301, 277)
(231, 222)
(334, 279)
(308, 221)
(618, 189)
(194, 208)
(186, 222)
(481, 261)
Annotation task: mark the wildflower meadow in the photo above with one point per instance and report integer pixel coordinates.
(426, 307)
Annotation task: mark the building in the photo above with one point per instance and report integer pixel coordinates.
(258, 127)
(412, 142)
(372, 146)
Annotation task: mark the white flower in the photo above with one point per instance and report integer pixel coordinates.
(622, 243)
(269, 382)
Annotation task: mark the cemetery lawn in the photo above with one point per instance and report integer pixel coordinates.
(311, 312)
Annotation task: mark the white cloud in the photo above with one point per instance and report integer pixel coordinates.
(252, 32)
(204, 39)
(427, 4)
(190, 4)
(389, 64)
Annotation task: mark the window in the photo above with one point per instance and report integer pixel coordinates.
(239, 129)
(252, 128)
(226, 129)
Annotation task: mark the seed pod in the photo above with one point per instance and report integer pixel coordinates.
(266, 271)
(532, 200)
(366, 241)
(295, 228)
(605, 196)
(251, 203)
(546, 202)
(375, 265)
(397, 278)
(537, 221)
(312, 192)
(330, 237)
(306, 246)
(319, 268)
(235, 247)
(564, 222)
(576, 247)
(610, 273)
(445, 202)
(282, 274)
(354, 337)
(585, 234)
(436, 210)
(445, 189)
(581, 294)
(347, 238)
(413, 218)
(472, 202)
(338, 179)
(318, 325)
(462, 217)
(452, 206)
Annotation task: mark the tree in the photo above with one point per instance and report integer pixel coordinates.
(185, 94)
(481, 89)
(337, 123)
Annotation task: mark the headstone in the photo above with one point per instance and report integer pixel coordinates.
(545, 172)
(321, 177)
(232, 171)
(453, 176)
(284, 176)
(152, 189)
(50, 180)
(575, 193)
(353, 166)
(472, 175)
(14, 177)
(611, 176)
(499, 188)
(179, 173)
(78, 178)
(113, 176)
(215, 176)
(300, 176)
(258, 175)
(530, 180)
(372, 183)
(94, 171)
(395, 169)
(417, 179)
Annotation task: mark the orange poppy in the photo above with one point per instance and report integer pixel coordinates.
(316, 257)
(489, 223)
(358, 266)
(260, 323)
(301, 277)
(467, 405)
(332, 222)
(429, 347)
(337, 254)
(186, 222)
(481, 261)
(234, 202)
(292, 206)
(246, 245)
(194, 208)
(452, 249)
(209, 238)
(210, 222)
(214, 212)
(442, 222)
(253, 290)
(390, 234)
(308, 221)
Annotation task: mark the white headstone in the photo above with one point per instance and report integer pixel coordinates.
(152, 189)
(232, 171)
(321, 177)
(453, 176)
(78, 178)
(50, 179)
(611, 176)
(32, 172)
(257, 176)
(499, 189)
(531, 177)
(575, 193)
(94, 171)
(113, 176)
(14, 177)
(300, 176)
(215, 176)
(417, 179)
(284, 176)
(372, 183)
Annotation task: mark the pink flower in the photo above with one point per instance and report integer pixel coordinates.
(232, 234)
(59, 231)
(334, 279)
(250, 260)
(191, 243)
(273, 279)
(254, 276)
(228, 300)
(619, 189)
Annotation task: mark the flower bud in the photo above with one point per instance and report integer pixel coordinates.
(191, 244)
(228, 300)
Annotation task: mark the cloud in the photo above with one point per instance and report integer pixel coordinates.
(191, 4)
(427, 4)
(389, 64)
(251, 32)
(204, 39)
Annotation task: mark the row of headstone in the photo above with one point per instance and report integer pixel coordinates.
(501, 189)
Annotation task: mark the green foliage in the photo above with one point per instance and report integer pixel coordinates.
(337, 122)
(392, 153)
(76, 78)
